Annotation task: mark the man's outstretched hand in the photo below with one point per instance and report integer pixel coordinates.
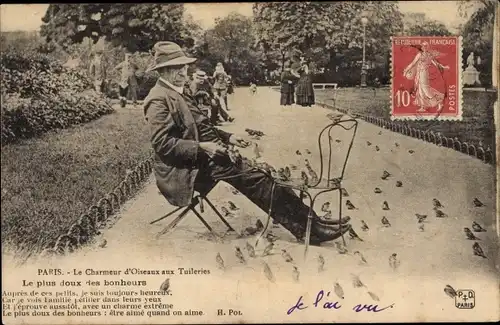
(238, 141)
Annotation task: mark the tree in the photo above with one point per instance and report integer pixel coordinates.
(417, 24)
(136, 27)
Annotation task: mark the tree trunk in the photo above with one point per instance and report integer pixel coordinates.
(282, 61)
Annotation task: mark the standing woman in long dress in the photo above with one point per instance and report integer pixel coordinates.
(305, 91)
(288, 79)
(220, 85)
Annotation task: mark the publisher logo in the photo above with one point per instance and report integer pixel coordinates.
(465, 299)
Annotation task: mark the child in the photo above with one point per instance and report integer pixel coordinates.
(253, 88)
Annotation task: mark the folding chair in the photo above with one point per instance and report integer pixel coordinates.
(197, 200)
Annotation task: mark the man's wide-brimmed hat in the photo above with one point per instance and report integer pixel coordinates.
(201, 74)
(169, 54)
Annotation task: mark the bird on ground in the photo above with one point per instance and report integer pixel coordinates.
(368, 143)
(385, 175)
(226, 212)
(477, 203)
(377, 148)
(314, 176)
(304, 177)
(250, 249)
(103, 243)
(354, 235)
(271, 238)
(386, 222)
(219, 261)
(373, 296)
(282, 174)
(259, 224)
(338, 141)
(349, 205)
(293, 167)
(344, 192)
(440, 214)
(321, 263)
(364, 226)
(469, 234)
(239, 256)
(356, 281)
(298, 153)
(420, 217)
(477, 227)
(437, 204)
(268, 273)
(399, 184)
(256, 150)
(377, 190)
(393, 261)
(362, 259)
(308, 152)
(288, 258)
(295, 274)
(478, 251)
(411, 151)
(385, 206)
(448, 289)
(421, 227)
(235, 191)
(380, 133)
(268, 249)
(288, 173)
(396, 144)
(165, 285)
(328, 215)
(340, 248)
(338, 290)
(232, 206)
(325, 207)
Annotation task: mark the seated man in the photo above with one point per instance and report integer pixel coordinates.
(189, 155)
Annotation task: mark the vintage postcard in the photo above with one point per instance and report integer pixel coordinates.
(282, 162)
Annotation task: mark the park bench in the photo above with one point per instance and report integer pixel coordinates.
(324, 86)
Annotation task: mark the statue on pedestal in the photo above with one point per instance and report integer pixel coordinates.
(470, 74)
(470, 60)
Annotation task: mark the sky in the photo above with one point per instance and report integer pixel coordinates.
(28, 17)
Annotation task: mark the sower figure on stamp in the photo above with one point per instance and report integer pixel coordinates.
(189, 154)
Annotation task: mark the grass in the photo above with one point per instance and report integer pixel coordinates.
(478, 125)
(49, 181)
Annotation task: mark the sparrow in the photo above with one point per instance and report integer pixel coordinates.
(295, 274)
(469, 234)
(298, 153)
(219, 261)
(385, 222)
(165, 285)
(393, 261)
(288, 258)
(380, 133)
(321, 261)
(103, 243)
(421, 227)
(314, 176)
(328, 215)
(349, 205)
(308, 152)
(356, 282)
(478, 251)
(271, 238)
(305, 178)
(288, 173)
(411, 151)
(361, 257)
(249, 231)
(385, 206)
(282, 175)
(377, 148)
(338, 290)
(250, 249)
(368, 143)
(226, 212)
(325, 207)
(385, 175)
(420, 217)
(439, 213)
(378, 190)
(399, 184)
(396, 144)
(344, 192)
(268, 273)
(235, 191)
(437, 204)
(354, 235)
(338, 141)
(268, 249)
(450, 291)
(232, 206)
(259, 224)
(373, 296)
(293, 167)
(477, 203)
(239, 256)
(340, 248)
(364, 226)
(477, 227)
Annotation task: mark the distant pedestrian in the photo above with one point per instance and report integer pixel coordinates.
(253, 88)
(220, 85)
(305, 91)
(128, 80)
(288, 79)
(98, 70)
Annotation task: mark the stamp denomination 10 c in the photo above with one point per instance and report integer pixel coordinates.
(426, 78)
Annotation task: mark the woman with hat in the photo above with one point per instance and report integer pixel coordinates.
(288, 78)
(128, 80)
(305, 91)
(98, 70)
(220, 85)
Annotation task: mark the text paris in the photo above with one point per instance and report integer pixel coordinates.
(322, 302)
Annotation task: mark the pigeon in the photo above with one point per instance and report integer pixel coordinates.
(325, 207)
(478, 251)
(378, 190)
(340, 248)
(361, 257)
(380, 133)
(399, 184)
(338, 290)
(239, 256)
(305, 178)
(344, 192)
(268, 273)
(268, 249)
(308, 152)
(364, 226)
(440, 214)
(298, 153)
(393, 261)
(354, 235)
(477, 227)
(256, 150)
(411, 151)
(321, 263)
(295, 274)
(356, 281)
(385, 175)
(288, 258)
(396, 144)
(385, 206)
(165, 285)
(450, 291)
(377, 148)
(219, 261)
(287, 172)
(103, 243)
(420, 217)
(232, 206)
(250, 249)
(259, 225)
(437, 204)
(368, 143)
(469, 234)
(421, 227)
(373, 296)
(477, 203)
(349, 205)
(226, 212)
(385, 222)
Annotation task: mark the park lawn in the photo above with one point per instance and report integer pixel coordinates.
(478, 117)
(48, 182)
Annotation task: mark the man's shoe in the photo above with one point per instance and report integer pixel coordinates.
(333, 221)
(324, 233)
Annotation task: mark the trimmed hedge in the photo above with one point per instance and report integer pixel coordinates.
(38, 94)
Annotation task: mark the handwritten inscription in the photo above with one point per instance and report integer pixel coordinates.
(323, 302)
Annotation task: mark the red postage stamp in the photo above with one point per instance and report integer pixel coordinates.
(426, 78)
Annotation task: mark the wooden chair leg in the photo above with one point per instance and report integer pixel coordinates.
(176, 220)
(219, 215)
(165, 216)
